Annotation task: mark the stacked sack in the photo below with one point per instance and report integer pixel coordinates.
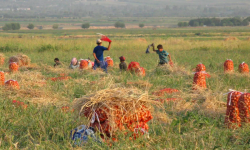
(232, 119)
(2, 78)
(13, 67)
(109, 61)
(244, 107)
(243, 68)
(1, 59)
(136, 123)
(228, 66)
(12, 84)
(200, 77)
(200, 67)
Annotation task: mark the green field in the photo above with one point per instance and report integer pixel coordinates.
(196, 122)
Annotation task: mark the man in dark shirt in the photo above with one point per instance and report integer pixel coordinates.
(57, 62)
(98, 55)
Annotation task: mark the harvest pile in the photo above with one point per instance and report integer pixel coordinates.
(228, 66)
(244, 107)
(1, 59)
(2, 78)
(84, 64)
(20, 59)
(61, 78)
(12, 84)
(232, 119)
(243, 68)
(110, 61)
(13, 67)
(19, 104)
(119, 109)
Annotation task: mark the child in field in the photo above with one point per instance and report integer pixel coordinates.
(163, 55)
(98, 55)
(57, 62)
(74, 64)
(122, 65)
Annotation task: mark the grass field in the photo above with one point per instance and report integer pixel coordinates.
(197, 122)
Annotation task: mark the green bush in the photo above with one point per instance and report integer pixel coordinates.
(55, 26)
(141, 25)
(85, 25)
(120, 24)
(31, 26)
(11, 26)
(48, 47)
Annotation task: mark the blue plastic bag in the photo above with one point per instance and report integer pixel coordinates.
(81, 135)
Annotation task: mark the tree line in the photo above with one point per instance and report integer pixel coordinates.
(235, 21)
(17, 26)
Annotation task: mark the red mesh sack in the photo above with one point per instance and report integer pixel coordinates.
(228, 66)
(12, 84)
(200, 67)
(199, 80)
(133, 66)
(243, 68)
(109, 61)
(2, 78)
(232, 119)
(84, 64)
(13, 67)
(140, 71)
(244, 107)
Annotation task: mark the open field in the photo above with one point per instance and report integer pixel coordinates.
(196, 122)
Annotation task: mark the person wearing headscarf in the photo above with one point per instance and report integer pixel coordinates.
(74, 64)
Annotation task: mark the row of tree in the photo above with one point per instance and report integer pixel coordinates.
(16, 26)
(235, 21)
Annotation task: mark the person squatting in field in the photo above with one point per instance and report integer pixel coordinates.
(57, 62)
(122, 65)
(163, 55)
(74, 64)
(98, 55)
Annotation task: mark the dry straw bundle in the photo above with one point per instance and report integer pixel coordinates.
(231, 38)
(116, 109)
(20, 59)
(176, 70)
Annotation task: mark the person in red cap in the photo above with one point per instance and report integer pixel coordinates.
(122, 65)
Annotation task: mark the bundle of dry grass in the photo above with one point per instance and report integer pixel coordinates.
(20, 59)
(140, 84)
(174, 70)
(116, 109)
(231, 38)
(2, 57)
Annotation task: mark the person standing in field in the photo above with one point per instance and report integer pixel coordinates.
(98, 55)
(163, 55)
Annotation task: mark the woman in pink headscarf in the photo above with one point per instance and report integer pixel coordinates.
(74, 64)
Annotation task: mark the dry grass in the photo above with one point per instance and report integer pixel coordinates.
(231, 38)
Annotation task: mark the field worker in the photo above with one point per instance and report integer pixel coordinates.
(163, 55)
(57, 62)
(74, 64)
(122, 65)
(98, 55)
